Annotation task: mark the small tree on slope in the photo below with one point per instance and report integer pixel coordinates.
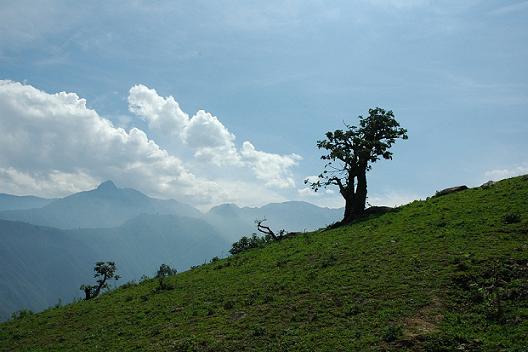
(104, 271)
(350, 154)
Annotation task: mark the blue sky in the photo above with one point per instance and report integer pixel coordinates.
(277, 74)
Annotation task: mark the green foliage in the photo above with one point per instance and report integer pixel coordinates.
(164, 272)
(392, 333)
(21, 314)
(104, 271)
(511, 218)
(398, 282)
(349, 154)
(246, 243)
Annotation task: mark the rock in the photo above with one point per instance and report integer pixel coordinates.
(375, 210)
(450, 190)
(487, 184)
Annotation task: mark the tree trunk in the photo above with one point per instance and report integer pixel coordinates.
(361, 191)
(355, 199)
(87, 293)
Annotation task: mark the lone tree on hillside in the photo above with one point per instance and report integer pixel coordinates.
(350, 154)
(266, 230)
(164, 272)
(104, 271)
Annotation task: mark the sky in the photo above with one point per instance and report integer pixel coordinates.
(223, 102)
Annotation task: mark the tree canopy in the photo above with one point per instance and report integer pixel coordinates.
(104, 271)
(350, 154)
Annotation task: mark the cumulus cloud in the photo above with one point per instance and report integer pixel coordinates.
(209, 139)
(53, 139)
(500, 174)
(203, 132)
(274, 169)
(53, 145)
(160, 113)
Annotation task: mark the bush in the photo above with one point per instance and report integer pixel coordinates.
(511, 218)
(392, 333)
(164, 272)
(21, 314)
(229, 305)
(246, 243)
(128, 284)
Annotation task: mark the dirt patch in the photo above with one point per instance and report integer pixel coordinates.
(425, 321)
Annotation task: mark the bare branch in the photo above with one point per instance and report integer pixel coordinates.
(268, 231)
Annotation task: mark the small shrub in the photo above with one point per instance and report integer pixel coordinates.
(21, 314)
(229, 305)
(163, 273)
(129, 284)
(252, 298)
(267, 298)
(392, 333)
(214, 259)
(258, 331)
(328, 260)
(351, 310)
(511, 218)
(281, 262)
(246, 243)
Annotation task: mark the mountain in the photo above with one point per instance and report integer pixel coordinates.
(445, 274)
(110, 206)
(42, 264)
(293, 216)
(11, 202)
(143, 243)
(39, 266)
(105, 206)
(123, 225)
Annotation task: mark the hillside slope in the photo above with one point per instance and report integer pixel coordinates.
(446, 274)
(41, 265)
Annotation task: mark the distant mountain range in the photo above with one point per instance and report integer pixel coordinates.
(294, 216)
(48, 247)
(105, 206)
(11, 202)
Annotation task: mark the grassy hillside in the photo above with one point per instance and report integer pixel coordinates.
(446, 274)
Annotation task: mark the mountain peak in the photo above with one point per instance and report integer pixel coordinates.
(107, 186)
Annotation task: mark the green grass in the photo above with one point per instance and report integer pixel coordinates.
(446, 274)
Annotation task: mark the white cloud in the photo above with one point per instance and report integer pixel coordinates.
(391, 199)
(53, 139)
(160, 113)
(203, 133)
(499, 174)
(209, 139)
(509, 8)
(332, 198)
(53, 145)
(274, 169)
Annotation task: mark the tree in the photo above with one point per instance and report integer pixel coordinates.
(164, 272)
(104, 271)
(266, 230)
(350, 154)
